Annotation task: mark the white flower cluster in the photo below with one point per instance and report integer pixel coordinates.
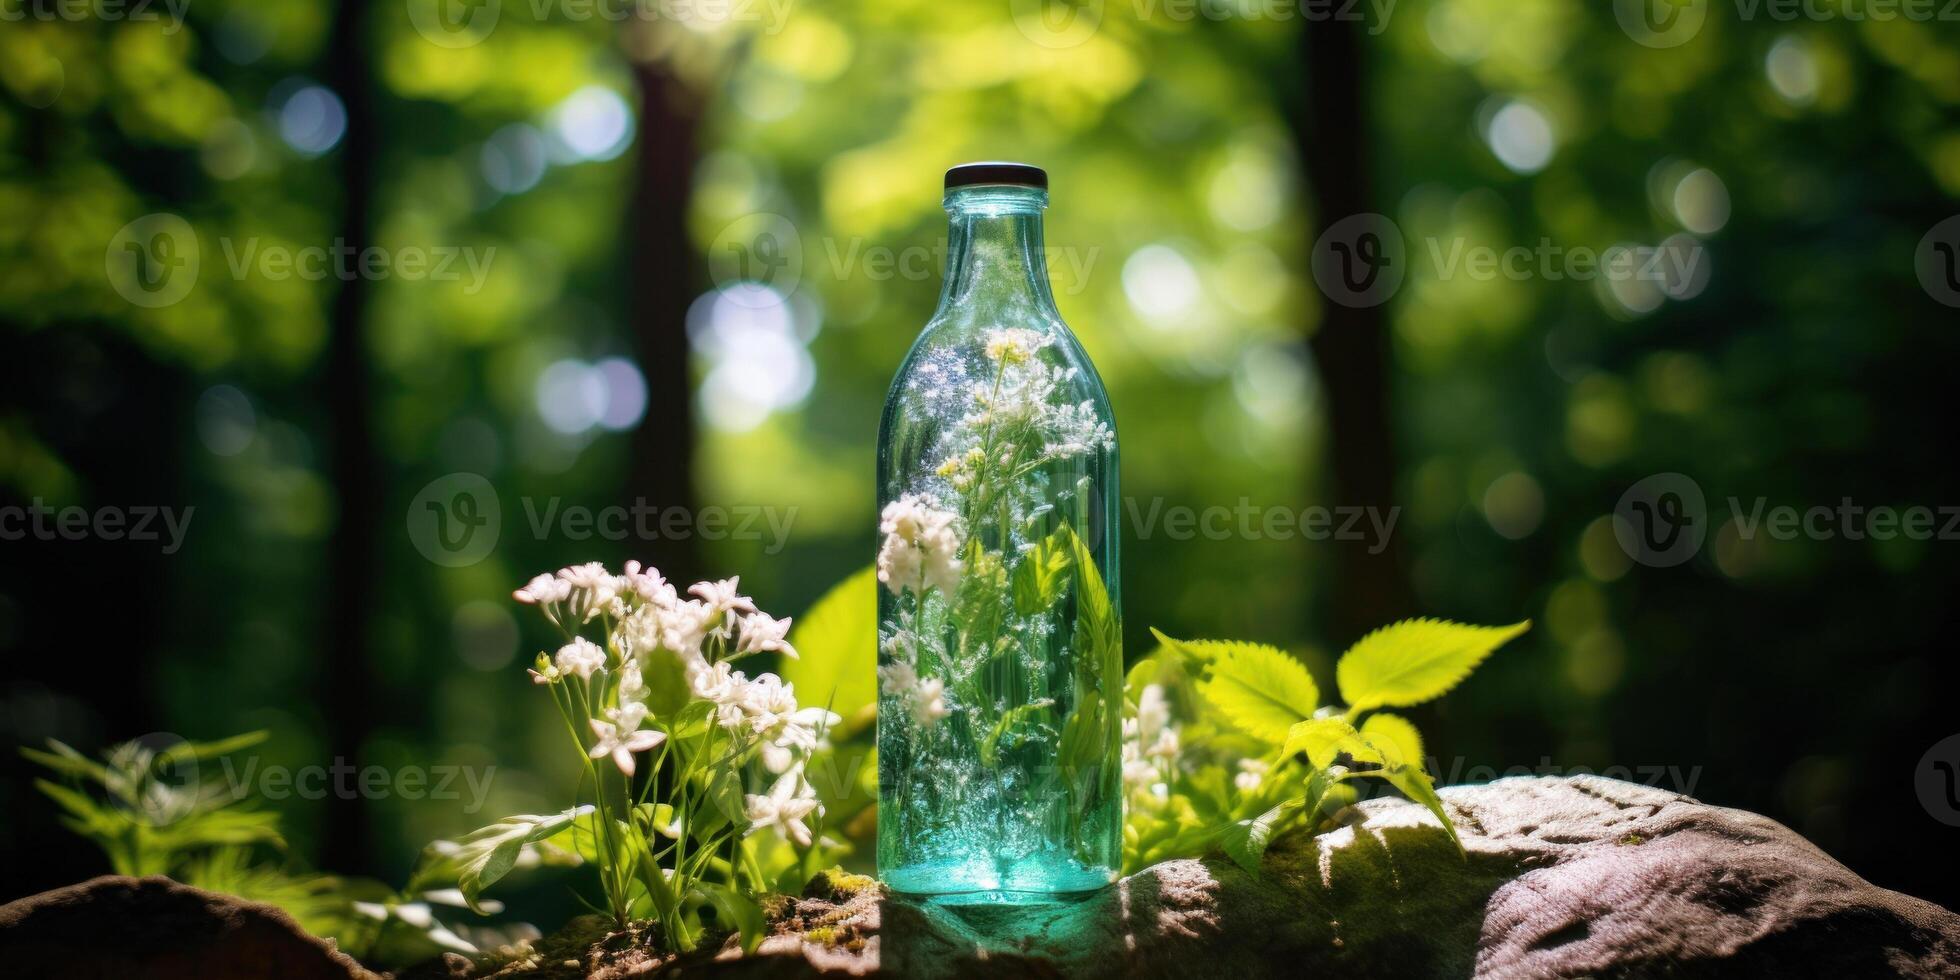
(1015, 345)
(924, 698)
(921, 547)
(1150, 744)
(646, 617)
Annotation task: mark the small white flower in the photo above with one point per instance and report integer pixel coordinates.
(543, 590)
(646, 584)
(769, 701)
(724, 688)
(924, 698)
(722, 596)
(620, 742)
(762, 633)
(783, 810)
(898, 678)
(929, 702)
(684, 627)
(632, 684)
(580, 658)
(1014, 346)
(1252, 772)
(921, 546)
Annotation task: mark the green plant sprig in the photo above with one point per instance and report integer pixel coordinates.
(1299, 757)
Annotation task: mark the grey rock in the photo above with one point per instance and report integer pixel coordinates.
(1571, 877)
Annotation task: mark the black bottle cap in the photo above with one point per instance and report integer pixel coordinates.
(996, 172)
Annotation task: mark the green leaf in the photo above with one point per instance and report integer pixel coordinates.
(1098, 633)
(990, 745)
(736, 910)
(838, 643)
(1417, 785)
(63, 759)
(482, 858)
(1323, 739)
(1245, 841)
(1042, 576)
(666, 680)
(1259, 689)
(1396, 737)
(193, 751)
(1415, 660)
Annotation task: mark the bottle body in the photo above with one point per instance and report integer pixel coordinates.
(1000, 660)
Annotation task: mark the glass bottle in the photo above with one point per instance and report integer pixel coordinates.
(1000, 659)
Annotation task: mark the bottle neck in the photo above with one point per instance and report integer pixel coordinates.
(996, 263)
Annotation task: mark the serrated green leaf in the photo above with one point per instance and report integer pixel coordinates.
(1396, 737)
(1098, 632)
(837, 643)
(1324, 739)
(1415, 660)
(1417, 785)
(1259, 688)
(483, 857)
(1245, 841)
(1043, 574)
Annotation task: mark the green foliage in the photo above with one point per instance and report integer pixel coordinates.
(164, 811)
(1259, 688)
(1043, 573)
(1415, 660)
(154, 810)
(838, 643)
(482, 858)
(1199, 709)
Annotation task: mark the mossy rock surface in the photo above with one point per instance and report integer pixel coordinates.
(119, 928)
(1569, 877)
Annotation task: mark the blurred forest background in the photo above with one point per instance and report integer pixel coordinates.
(611, 353)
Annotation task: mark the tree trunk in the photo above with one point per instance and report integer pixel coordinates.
(348, 686)
(663, 277)
(1351, 348)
